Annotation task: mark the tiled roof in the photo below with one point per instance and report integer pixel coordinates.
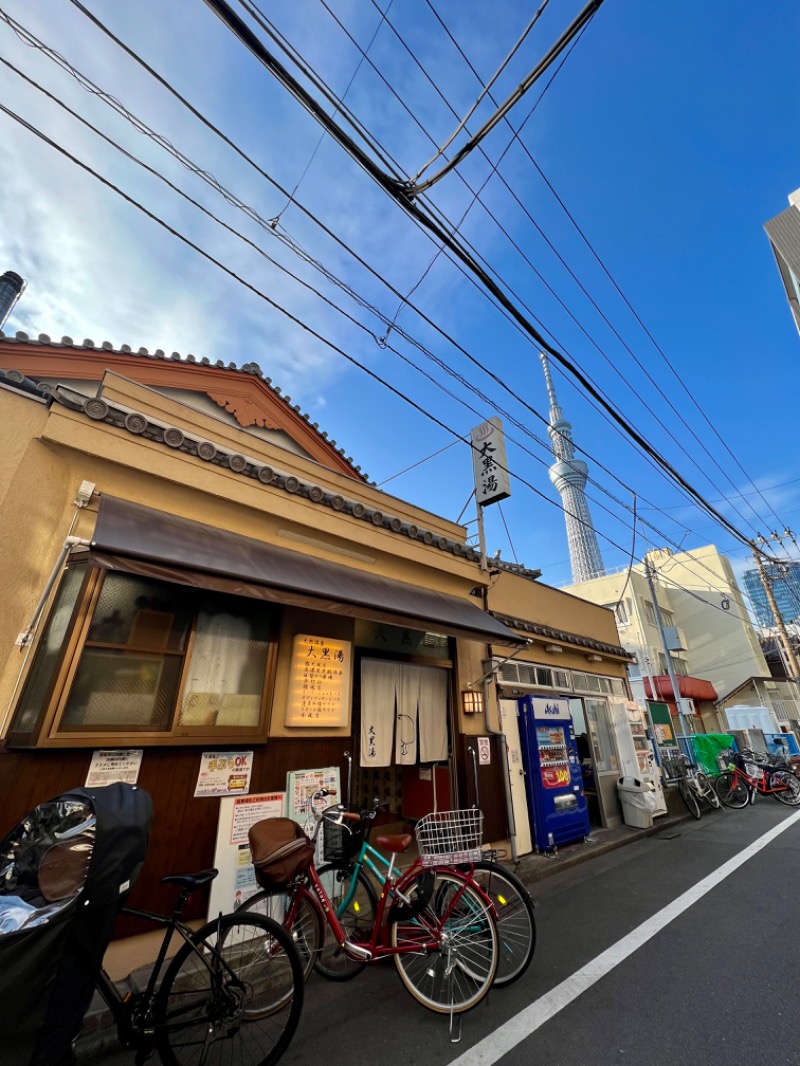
(549, 633)
(253, 369)
(141, 425)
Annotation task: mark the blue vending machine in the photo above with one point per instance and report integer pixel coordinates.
(553, 779)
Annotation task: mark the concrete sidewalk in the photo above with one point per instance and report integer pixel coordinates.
(534, 867)
(99, 1033)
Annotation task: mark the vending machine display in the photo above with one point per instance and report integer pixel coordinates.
(553, 779)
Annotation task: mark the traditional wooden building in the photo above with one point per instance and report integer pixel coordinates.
(191, 567)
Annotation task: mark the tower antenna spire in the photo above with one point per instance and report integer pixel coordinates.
(569, 475)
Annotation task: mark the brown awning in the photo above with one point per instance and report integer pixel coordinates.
(140, 540)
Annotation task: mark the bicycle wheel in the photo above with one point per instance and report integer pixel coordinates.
(790, 792)
(689, 797)
(706, 791)
(456, 976)
(234, 994)
(732, 790)
(516, 925)
(306, 930)
(357, 920)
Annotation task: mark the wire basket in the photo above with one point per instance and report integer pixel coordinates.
(675, 767)
(448, 837)
(340, 843)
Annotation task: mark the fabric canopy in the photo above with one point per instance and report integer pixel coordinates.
(138, 539)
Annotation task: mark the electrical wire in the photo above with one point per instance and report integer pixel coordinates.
(260, 18)
(485, 90)
(163, 142)
(612, 279)
(400, 196)
(611, 363)
(654, 527)
(163, 81)
(563, 41)
(438, 385)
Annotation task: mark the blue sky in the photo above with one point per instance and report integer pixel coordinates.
(669, 134)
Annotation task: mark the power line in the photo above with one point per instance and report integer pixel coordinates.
(227, 140)
(485, 90)
(476, 197)
(439, 385)
(270, 29)
(607, 272)
(141, 127)
(575, 27)
(400, 195)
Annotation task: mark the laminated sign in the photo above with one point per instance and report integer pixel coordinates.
(489, 464)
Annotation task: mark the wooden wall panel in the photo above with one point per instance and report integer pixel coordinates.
(184, 828)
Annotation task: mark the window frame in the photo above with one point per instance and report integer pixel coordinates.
(47, 732)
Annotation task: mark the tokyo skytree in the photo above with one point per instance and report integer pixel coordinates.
(569, 474)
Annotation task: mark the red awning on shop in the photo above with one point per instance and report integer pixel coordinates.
(136, 539)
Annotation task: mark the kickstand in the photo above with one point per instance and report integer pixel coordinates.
(455, 1027)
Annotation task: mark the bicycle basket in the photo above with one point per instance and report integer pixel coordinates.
(447, 837)
(340, 843)
(280, 851)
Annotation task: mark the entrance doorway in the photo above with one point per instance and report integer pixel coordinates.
(600, 766)
(403, 737)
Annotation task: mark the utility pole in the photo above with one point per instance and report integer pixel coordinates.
(649, 571)
(791, 658)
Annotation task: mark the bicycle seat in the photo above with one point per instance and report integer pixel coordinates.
(396, 843)
(191, 882)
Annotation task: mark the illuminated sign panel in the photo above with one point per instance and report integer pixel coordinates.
(319, 682)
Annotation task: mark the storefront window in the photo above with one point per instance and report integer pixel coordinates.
(150, 657)
(42, 673)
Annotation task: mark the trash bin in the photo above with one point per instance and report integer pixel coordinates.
(638, 802)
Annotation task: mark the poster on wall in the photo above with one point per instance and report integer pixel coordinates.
(319, 682)
(236, 880)
(300, 787)
(108, 767)
(224, 773)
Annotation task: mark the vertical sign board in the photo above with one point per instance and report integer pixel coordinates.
(489, 463)
(236, 880)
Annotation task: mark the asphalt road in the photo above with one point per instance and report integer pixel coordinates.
(714, 979)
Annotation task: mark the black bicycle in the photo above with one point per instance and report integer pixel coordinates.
(232, 993)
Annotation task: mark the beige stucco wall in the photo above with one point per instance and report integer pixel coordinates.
(53, 450)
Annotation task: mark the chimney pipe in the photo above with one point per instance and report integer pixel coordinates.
(11, 288)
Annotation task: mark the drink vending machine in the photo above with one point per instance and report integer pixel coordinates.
(553, 779)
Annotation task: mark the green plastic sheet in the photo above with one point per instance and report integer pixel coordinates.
(706, 747)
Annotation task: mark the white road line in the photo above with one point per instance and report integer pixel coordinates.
(502, 1040)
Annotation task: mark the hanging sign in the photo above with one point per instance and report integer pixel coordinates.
(489, 464)
(224, 773)
(319, 682)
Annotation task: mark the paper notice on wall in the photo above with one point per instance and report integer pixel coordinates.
(225, 773)
(108, 767)
(247, 810)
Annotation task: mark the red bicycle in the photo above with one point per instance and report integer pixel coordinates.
(737, 786)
